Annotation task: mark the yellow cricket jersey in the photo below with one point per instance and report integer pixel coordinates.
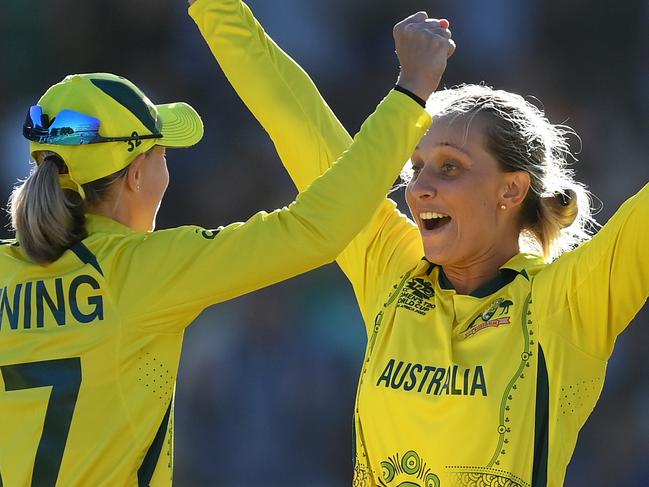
(490, 388)
(90, 345)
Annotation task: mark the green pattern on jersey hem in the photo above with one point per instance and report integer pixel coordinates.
(408, 470)
(480, 476)
(503, 429)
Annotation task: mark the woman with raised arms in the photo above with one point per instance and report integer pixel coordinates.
(492, 314)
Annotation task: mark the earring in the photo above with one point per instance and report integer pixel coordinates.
(137, 188)
(503, 207)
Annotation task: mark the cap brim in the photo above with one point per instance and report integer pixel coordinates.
(181, 125)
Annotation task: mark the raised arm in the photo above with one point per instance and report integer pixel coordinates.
(589, 296)
(196, 268)
(305, 131)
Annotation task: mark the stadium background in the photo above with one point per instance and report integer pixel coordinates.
(267, 381)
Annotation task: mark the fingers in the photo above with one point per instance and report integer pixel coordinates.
(435, 29)
(438, 27)
(430, 29)
(451, 47)
(420, 17)
(432, 26)
(423, 46)
(414, 18)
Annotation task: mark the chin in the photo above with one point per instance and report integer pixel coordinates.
(436, 255)
(449, 254)
(437, 250)
(441, 245)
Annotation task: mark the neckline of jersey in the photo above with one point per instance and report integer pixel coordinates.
(518, 264)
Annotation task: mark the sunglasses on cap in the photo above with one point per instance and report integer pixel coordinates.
(70, 128)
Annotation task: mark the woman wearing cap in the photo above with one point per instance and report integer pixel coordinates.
(93, 303)
(483, 361)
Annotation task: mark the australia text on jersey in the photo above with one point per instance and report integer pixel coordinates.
(429, 379)
(34, 303)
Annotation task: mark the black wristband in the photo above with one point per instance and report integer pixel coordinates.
(409, 93)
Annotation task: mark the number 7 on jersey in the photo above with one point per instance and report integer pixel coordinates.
(64, 375)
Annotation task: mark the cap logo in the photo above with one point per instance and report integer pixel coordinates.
(136, 142)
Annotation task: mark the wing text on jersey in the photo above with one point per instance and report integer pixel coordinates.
(37, 302)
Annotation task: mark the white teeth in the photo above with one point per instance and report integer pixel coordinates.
(429, 215)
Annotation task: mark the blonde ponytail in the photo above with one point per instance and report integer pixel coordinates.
(49, 219)
(557, 221)
(46, 218)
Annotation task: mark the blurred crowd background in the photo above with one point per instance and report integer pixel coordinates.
(267, 381)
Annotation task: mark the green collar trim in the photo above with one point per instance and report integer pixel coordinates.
(508, 272)
(490, 287)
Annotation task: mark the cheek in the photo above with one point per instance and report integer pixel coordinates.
(157, 187)
(476, 215)
(162, 179)
(165, 180)
(409, 196)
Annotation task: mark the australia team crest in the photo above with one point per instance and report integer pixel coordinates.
(492, 317)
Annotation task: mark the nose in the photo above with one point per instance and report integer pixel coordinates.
(423, 186)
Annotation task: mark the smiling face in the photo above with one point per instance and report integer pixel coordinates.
(457, 192)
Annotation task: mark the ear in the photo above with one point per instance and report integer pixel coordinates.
(517, 185)
(134, 174)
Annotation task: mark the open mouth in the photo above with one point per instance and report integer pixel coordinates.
(432, 221)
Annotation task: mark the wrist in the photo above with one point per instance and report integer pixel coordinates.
(412, 95)
(416, 87)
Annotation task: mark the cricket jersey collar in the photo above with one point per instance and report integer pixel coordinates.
(518, 264)
(522, 261)
(102, 224)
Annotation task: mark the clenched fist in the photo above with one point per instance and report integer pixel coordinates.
(423, 47)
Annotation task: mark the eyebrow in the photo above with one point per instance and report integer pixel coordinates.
(461, 149)
(448, 144)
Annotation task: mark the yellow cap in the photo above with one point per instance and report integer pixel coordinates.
(123, 110)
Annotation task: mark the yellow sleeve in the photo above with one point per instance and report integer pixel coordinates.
(183, 270)
(589, 296)
(306, 133)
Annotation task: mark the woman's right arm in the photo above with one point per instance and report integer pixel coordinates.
(306, 133)
(164, 277)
